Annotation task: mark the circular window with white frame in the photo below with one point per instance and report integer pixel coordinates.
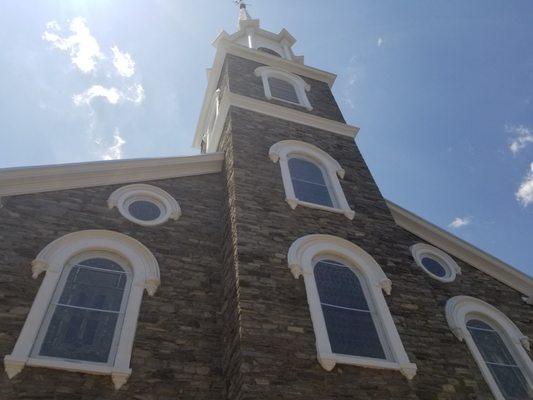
(435, 262)
(145, 205)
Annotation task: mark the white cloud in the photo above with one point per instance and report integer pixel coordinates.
(525, 192)
(459, 222)
(112, 95)
(134, 93)
(380, 41)
(523, 136)
(82, 46)
(113, 152)
(123, 62)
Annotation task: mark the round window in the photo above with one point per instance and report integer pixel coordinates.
(144, 210)
(144, 204)
(435, 262)
(434, 266)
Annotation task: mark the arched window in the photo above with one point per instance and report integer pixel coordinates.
(284, 86)
(269, 51)
(308, 182)
(349, 317)
(84, 315)
(351, 320)
(86, 310)
(497, 345)
(310, 177)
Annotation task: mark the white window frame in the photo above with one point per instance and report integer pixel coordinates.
(125, 195)
(421, 250)
(461, 309)
(300, 86)
(332, 171)
(52, 260)
(302, 257)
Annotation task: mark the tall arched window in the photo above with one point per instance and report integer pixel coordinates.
(497, 345)
(351, 320)
(87, 309)
(84, 315)
(310, 177)
(309, 182)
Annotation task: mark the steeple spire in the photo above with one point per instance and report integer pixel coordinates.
(243, 12)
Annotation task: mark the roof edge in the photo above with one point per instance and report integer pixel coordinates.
(45, 178)
(463, 250)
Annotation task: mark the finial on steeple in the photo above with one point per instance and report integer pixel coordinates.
(243, 12)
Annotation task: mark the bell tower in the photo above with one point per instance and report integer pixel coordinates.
(291, 169)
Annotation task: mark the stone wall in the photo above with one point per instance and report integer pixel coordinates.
(277, 338)
(238, 75)
(177, 348)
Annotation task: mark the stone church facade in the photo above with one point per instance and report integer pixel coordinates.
(268, 267)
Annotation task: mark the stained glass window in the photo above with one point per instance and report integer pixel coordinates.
(499, 360)
(309, 183)
(85, 311)
(349, 320)
(283, 90)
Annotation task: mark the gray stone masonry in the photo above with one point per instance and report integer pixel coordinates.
(177, 349)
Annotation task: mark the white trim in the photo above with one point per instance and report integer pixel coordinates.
(301, 256)
(36, 179)
(299, 85)
(224, 47)
(284, 150)
(264, 107)
(124, 195)
(470, 254)
(421, 250)
(52, 259)
(460, 309)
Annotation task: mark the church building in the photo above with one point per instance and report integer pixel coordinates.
(267, 267)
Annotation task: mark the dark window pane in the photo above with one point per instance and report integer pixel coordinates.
(265, 50)
(144, 210)
(434, 267)
(102, 263)
(312, 193)
(306, 171)
(339, 286)
(282, 90)
(352, 332)
(476, 323)
(511, 382)
(491, 347)
(79, 334)
(92, 296)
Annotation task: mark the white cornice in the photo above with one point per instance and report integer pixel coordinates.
(37, 179)
(463, 250)
(264, 107)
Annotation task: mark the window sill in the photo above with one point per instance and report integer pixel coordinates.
(350, 214)
(328, 363)
(308, 108)
(13, 366)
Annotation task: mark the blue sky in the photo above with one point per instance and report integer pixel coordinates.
(442, 91)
